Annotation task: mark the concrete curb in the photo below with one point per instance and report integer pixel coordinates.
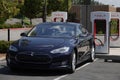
(108, 57)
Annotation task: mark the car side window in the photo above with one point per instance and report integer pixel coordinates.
(84, 31)
(78, 31)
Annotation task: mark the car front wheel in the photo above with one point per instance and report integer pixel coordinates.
(9, 64)
(72, 63)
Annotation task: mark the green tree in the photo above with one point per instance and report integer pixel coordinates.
(8, 9)
(59, 5)
(83, 2)
(32, 8)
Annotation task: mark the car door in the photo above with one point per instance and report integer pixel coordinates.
(86, 42)
(83, 45)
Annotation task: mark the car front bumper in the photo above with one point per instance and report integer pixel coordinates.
(38, 61)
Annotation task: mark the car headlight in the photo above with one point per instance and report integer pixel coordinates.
(13, 48)
(60, 50)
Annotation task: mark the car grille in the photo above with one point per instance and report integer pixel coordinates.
(33, 58)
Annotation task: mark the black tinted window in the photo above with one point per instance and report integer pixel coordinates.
(78, 31)
(55, 30)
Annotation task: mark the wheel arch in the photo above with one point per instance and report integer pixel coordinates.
(76, 53)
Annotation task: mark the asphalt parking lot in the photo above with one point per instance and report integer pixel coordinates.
(98, 70)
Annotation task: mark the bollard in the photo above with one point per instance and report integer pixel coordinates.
(8, 34)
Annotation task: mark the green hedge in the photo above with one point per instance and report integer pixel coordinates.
(4, 45)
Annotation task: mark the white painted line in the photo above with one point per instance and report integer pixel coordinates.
(85, 65)
(60, 77)
(82, 66)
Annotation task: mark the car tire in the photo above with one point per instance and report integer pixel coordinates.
(92, 54)
(73, 63)
(13, 69)
(9, 64)
(7, 60)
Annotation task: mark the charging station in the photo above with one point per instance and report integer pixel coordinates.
(114, 30)
(105, 27)
(106, 31)
(59, 16)
(100, 28)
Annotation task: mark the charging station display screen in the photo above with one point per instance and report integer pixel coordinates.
(114, 29)
(100, 32)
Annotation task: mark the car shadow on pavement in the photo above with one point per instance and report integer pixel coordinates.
(4, 70)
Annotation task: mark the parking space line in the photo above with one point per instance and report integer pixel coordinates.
(60, 77)
(84, 65)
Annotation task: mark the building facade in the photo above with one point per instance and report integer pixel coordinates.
(82, 13)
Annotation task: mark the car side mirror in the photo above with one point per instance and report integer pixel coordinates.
(23, 34)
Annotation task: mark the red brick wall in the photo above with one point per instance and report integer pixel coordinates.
(75, 9)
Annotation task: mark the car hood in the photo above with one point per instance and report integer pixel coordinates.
(33, 43)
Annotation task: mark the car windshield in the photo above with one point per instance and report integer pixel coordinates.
(56, 30)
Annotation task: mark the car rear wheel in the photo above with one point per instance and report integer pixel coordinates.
(92, 55)
(73, 63)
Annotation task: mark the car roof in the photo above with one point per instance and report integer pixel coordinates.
(60, 23)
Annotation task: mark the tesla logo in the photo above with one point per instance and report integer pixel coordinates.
(32, 54)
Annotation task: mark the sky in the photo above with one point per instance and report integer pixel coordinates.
(116, 3)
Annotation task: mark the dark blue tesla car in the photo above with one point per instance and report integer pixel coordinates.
(52, 45)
